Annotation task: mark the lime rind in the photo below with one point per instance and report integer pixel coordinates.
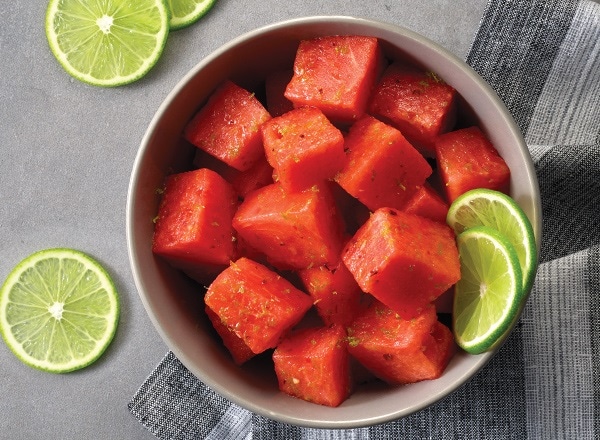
(107, 43)
(489, 295)
(497, 210)
(187, 12)
(58, 282)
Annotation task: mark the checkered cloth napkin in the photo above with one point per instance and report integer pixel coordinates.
(543, 59)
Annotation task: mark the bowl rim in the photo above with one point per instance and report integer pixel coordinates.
(459, 65)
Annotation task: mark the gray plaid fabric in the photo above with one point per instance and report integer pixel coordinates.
(543, 59)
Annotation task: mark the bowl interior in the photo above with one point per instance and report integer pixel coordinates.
(174, 303)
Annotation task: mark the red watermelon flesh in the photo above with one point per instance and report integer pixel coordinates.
(417, 102)
(428, 203)
(335, 293)
(227, 127)
(294, 230)
(303, 147)
(404, 260)
(468, 160)
(335, 74)
(313, 364)
(397, 350)
(238, 349)
(382, 168)
(259, 175)
(257, 304)
(193, 228)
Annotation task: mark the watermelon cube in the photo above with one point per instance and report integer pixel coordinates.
(193, 229)
(468, 160)
(238, 349)
(259, 175)
(382, 168)
(404, 260)
(335, 293)
(416, 102)
(428, 203)
(313, 364)
(303, 147)
(227, 126)
(255, 303)
(335, 74)
(294, 230)
(400, 351)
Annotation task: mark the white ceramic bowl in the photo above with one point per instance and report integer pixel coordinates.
(174, 304)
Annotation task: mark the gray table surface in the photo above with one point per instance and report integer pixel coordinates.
(66, 154)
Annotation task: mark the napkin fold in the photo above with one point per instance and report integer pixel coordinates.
(543, 59)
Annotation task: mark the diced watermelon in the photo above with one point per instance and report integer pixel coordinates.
(193, 229)
(275, 84)
(404, 260)
(445, 348)
(382, 168)
(426, 202)
(334, 291)
(335, 74)
(244, 249)
(294, 230)
(257, 304)
(400, 351)
(228, 126)
(238, 349)
(468, 160)
(303, 147)
(313, 364)
(415, 101)
(261, 174)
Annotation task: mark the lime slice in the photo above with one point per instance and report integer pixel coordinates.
(489, 294)
(107, 42)
(187, 12)
(58, 310)
(499, 211)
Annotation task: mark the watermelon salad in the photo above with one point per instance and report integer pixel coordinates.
(325, 194)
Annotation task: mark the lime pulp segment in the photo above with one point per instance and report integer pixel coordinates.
(59, 310)
(488, 296)
(107, 42)
(187, 12)
(499, 211)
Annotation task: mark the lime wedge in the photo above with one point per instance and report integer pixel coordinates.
(187, 12)
(497, 210)
(107, 42)
(489, 294)
(58, 310)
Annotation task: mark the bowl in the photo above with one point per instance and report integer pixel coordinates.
(174, 303)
